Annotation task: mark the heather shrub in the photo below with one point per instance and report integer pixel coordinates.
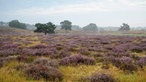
(24, 58)
(40, 71)
(61, 54)
(77, 59)
(8, 46)
(38, 46)
(141, 62)
(124, 63)
(84, 51)
(119, 54)
(45, 61)
(39, 52)
(136, 49)
(9, 52)
(100, 77)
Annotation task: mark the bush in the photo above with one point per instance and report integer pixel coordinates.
(8, 52)
(97, 77)
(136, 49)
(38, 52)
(124, 63)
(61, 54)
(45, 61)
(40, 71)
(141, 62)
(24, 58)
(38, 46)
(77, 59)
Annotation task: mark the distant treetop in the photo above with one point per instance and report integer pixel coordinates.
(45, 28)
(66, 24)
(124, 27)
(91, 27)
(17, 24)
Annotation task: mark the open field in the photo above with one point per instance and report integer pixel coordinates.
(29, 57)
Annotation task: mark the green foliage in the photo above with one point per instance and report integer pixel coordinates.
(17, 24)
(91, 27)
(45, 28)
(125, 27)
(66, 25)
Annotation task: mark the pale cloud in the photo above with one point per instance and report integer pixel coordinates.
(87, 7)
(72, 8)
(102, 12)
(136, 3)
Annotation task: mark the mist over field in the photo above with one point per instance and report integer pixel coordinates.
(72, 41)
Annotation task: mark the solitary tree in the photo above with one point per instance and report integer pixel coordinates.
(91, 27)
(45, 28)
(124, 27)
(17, 24)
(66, 25)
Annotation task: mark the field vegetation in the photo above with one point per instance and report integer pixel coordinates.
(34, 57)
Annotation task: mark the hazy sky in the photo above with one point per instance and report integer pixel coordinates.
(80, 12)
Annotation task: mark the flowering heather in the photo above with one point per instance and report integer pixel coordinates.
(142, 61)
(97, 77)
(124, 63)
(8, 46)
(84, 51)
(118, 54)
(9, 52)
(137, 49)
(40, 71)
(61, 54)
(39, 52)
(76, 56)
(38, 46)
(47, 62)
(77, 59)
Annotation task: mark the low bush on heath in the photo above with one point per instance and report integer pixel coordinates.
(77, 59)
(99, 77)
(43, 68)
(39, 71)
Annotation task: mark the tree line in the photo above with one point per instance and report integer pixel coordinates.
(66, 25)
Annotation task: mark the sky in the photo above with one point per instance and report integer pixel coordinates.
(79, 12)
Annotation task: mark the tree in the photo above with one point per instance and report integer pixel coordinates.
(124, 27)
(1, 23)
(66, 25)
(17, 24)
(45, 28)
(91, 27)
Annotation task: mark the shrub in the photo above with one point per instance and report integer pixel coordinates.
(124, 63)
(45, 61)
(38, 46)
(136, 49)
(61, 54)
(8, 46)
(97, 77)
(141, 62)
(119, 54)
(9, 52)
(39, 71)
(39, 52)
(77, 59)
(84, 51)
(24, 58)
